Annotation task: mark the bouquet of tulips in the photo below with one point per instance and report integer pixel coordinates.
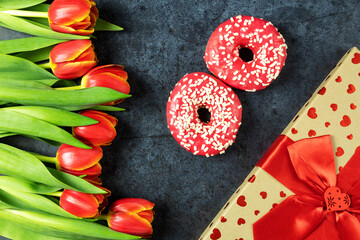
(61, 197)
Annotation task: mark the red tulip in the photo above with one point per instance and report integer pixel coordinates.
(99, 134)
(72, 59)
(132, 216)
(84, 205)
(89, 173)
(79, 161)
(74, 17)
(110, 76)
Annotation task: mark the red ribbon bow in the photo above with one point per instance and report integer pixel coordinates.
(325, 205)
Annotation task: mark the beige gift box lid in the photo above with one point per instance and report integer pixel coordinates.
(334, 108)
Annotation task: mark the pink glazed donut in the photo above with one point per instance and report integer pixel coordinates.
(193, 95)
(228, 43)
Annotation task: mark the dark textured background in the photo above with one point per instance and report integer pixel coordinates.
(164, 40)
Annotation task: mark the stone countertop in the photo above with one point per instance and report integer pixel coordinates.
(164, 40)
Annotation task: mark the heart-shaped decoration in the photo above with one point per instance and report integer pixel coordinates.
(282, 194)
(312, 113)
(350, 137)
(351, 89)
(263, 195)
(338, 79)
(312, 133)
(322, 91)
(252, 179)
(334, 106)
(241, 201)
(346, 121)
(294, 131)
(327, 124)
(256, 212)
(241, 221)
(223, 219)
(339, 152)
(216, 234)
(336, 200)
(352, 106)
(356, 58)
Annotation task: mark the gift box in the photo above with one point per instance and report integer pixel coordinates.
(307, 185)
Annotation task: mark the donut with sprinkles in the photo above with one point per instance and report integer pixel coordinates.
(193, 95)
(245, 52)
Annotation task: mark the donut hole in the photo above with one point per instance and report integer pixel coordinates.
(246, 54)
(204, 114)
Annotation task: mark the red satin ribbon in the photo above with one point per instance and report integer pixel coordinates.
(307, 168)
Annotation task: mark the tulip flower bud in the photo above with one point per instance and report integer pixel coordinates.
(132, 216)
(74, 17)
(99, 134)
(83, 205)
(110, 76)
(72, 59)
(73, 158)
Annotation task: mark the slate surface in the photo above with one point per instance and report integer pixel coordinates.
(162, 41)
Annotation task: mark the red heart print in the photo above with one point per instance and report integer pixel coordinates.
(312, 113)
(352, 106)
(351, 89)
(336, 200)
(274, 205)
(356, 58)
(327, 124)
(350, 137)
(241, 221)
(282, 194)
(263, 195)
(294, 131)
(334, 106)
(339, 152)
(216, 234)
(223, 219)
(256, 212)
(322, 91)
(338, 79)
(346, 121)
(241, 201)
(252, 179)
(311, 133)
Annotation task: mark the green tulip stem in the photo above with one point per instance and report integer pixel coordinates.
(45, 158)
(103, 217)
(69, 88)
(45, 65)
(22, 13)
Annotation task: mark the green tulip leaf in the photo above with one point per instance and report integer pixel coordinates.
(18, 4)
(26, 44)
(7, 134)
(38, 55)
(66, 99)
(57, 226)
(32, 28)
(26, 125)
(108, 108)
(102, 25)
(25, 83)
(55, 116)
(11, 183)
(75, 182)
(64, 83)
(18, 163)
(15, 68)
(43, 7)
(12, 229)
(34, 202)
